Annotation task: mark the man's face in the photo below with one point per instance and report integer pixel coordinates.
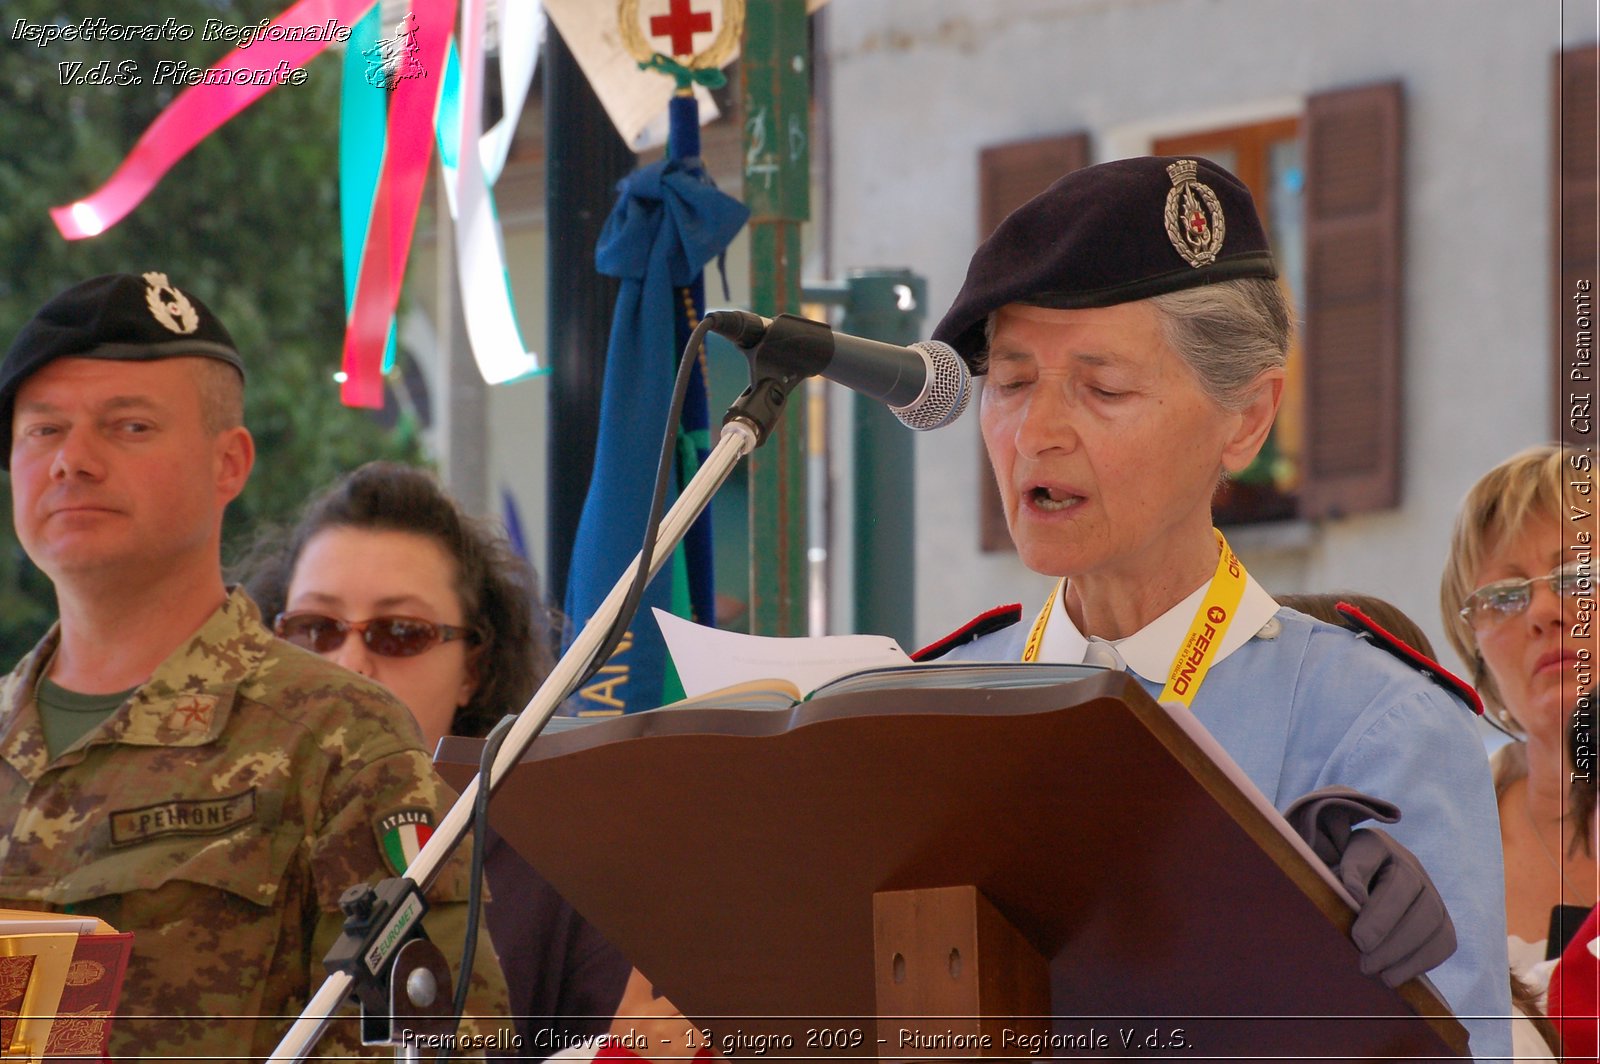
(113, 470)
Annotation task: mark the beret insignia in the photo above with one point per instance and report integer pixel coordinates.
(1194, 215)
(170, 307)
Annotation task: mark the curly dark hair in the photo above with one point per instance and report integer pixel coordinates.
(499, 591)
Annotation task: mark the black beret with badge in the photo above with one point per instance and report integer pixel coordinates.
(117, 316)
(1108, 234)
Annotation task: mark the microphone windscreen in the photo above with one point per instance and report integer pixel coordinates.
(945, 395)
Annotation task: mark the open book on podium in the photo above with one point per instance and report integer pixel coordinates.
(962, 861)
(60, 977)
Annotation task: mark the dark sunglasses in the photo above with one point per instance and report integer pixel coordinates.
(390, 637)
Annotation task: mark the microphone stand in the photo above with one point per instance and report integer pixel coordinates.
(397, 916)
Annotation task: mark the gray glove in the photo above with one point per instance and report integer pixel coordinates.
(1402, 927)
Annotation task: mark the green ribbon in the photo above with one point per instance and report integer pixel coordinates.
(686, 77)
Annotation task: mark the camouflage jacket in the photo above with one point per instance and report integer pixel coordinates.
(218, 814)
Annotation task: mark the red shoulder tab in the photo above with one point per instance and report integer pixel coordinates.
(1387, 640)
(984, 623)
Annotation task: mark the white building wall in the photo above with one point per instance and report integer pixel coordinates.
(920, 86)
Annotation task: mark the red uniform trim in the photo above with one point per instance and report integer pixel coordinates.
(1382, 637)
(984, 623)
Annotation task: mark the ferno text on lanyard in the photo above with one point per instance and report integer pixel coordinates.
(1198, 650)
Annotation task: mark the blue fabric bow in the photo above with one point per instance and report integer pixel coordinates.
(670, 221)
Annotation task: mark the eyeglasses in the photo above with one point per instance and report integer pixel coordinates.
(390, 637)
(1504, 599)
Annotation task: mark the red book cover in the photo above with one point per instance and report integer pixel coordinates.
(14, 972)
(89, 999)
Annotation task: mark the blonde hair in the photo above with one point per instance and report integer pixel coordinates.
(1528, 485)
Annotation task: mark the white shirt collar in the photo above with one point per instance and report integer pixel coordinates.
(1150, 650)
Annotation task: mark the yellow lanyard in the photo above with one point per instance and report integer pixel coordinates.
(1198, 650)
(1030, 649)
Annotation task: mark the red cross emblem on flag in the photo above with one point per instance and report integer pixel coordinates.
(685, 35)
(680, 24)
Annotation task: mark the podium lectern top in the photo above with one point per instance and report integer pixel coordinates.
(733, 855)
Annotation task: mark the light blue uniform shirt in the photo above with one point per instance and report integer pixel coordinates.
(1314, 706)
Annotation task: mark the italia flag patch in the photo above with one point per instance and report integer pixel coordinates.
(402, 834)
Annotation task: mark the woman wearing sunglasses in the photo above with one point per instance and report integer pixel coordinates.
(1518, 601)
(386, 575)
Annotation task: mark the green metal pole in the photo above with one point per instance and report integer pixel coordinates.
(777, 172)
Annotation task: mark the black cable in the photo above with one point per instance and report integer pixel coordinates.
(480, 832)
(496, 738)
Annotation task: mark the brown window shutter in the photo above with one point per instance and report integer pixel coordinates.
(1009, 175)
(1576, 235)
(1353, 300)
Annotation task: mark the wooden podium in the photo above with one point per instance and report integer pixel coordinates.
(900, 874)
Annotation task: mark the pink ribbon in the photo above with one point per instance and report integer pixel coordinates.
(407, 152)
(199, 111)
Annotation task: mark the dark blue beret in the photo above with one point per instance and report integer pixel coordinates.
(1109, 234)
(116, 316)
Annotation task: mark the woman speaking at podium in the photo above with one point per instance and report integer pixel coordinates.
(1134, 335)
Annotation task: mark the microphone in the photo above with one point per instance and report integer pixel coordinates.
(926, 385)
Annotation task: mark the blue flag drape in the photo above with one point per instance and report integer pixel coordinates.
(669, 222)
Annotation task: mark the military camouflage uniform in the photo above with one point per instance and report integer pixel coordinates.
(218, 815)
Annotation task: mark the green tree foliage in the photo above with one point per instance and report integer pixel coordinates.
(248, 221)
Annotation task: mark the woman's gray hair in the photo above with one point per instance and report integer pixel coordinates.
(1228, 333)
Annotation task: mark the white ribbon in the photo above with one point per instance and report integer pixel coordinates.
(485, 286)
(522, 24)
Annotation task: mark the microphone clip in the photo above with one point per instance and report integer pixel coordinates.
(782, 353)
(400, 979)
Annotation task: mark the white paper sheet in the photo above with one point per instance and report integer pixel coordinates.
(709, 658)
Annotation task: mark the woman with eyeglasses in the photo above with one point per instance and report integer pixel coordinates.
(1518, 602)
(386, 575)
(1575, 982)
